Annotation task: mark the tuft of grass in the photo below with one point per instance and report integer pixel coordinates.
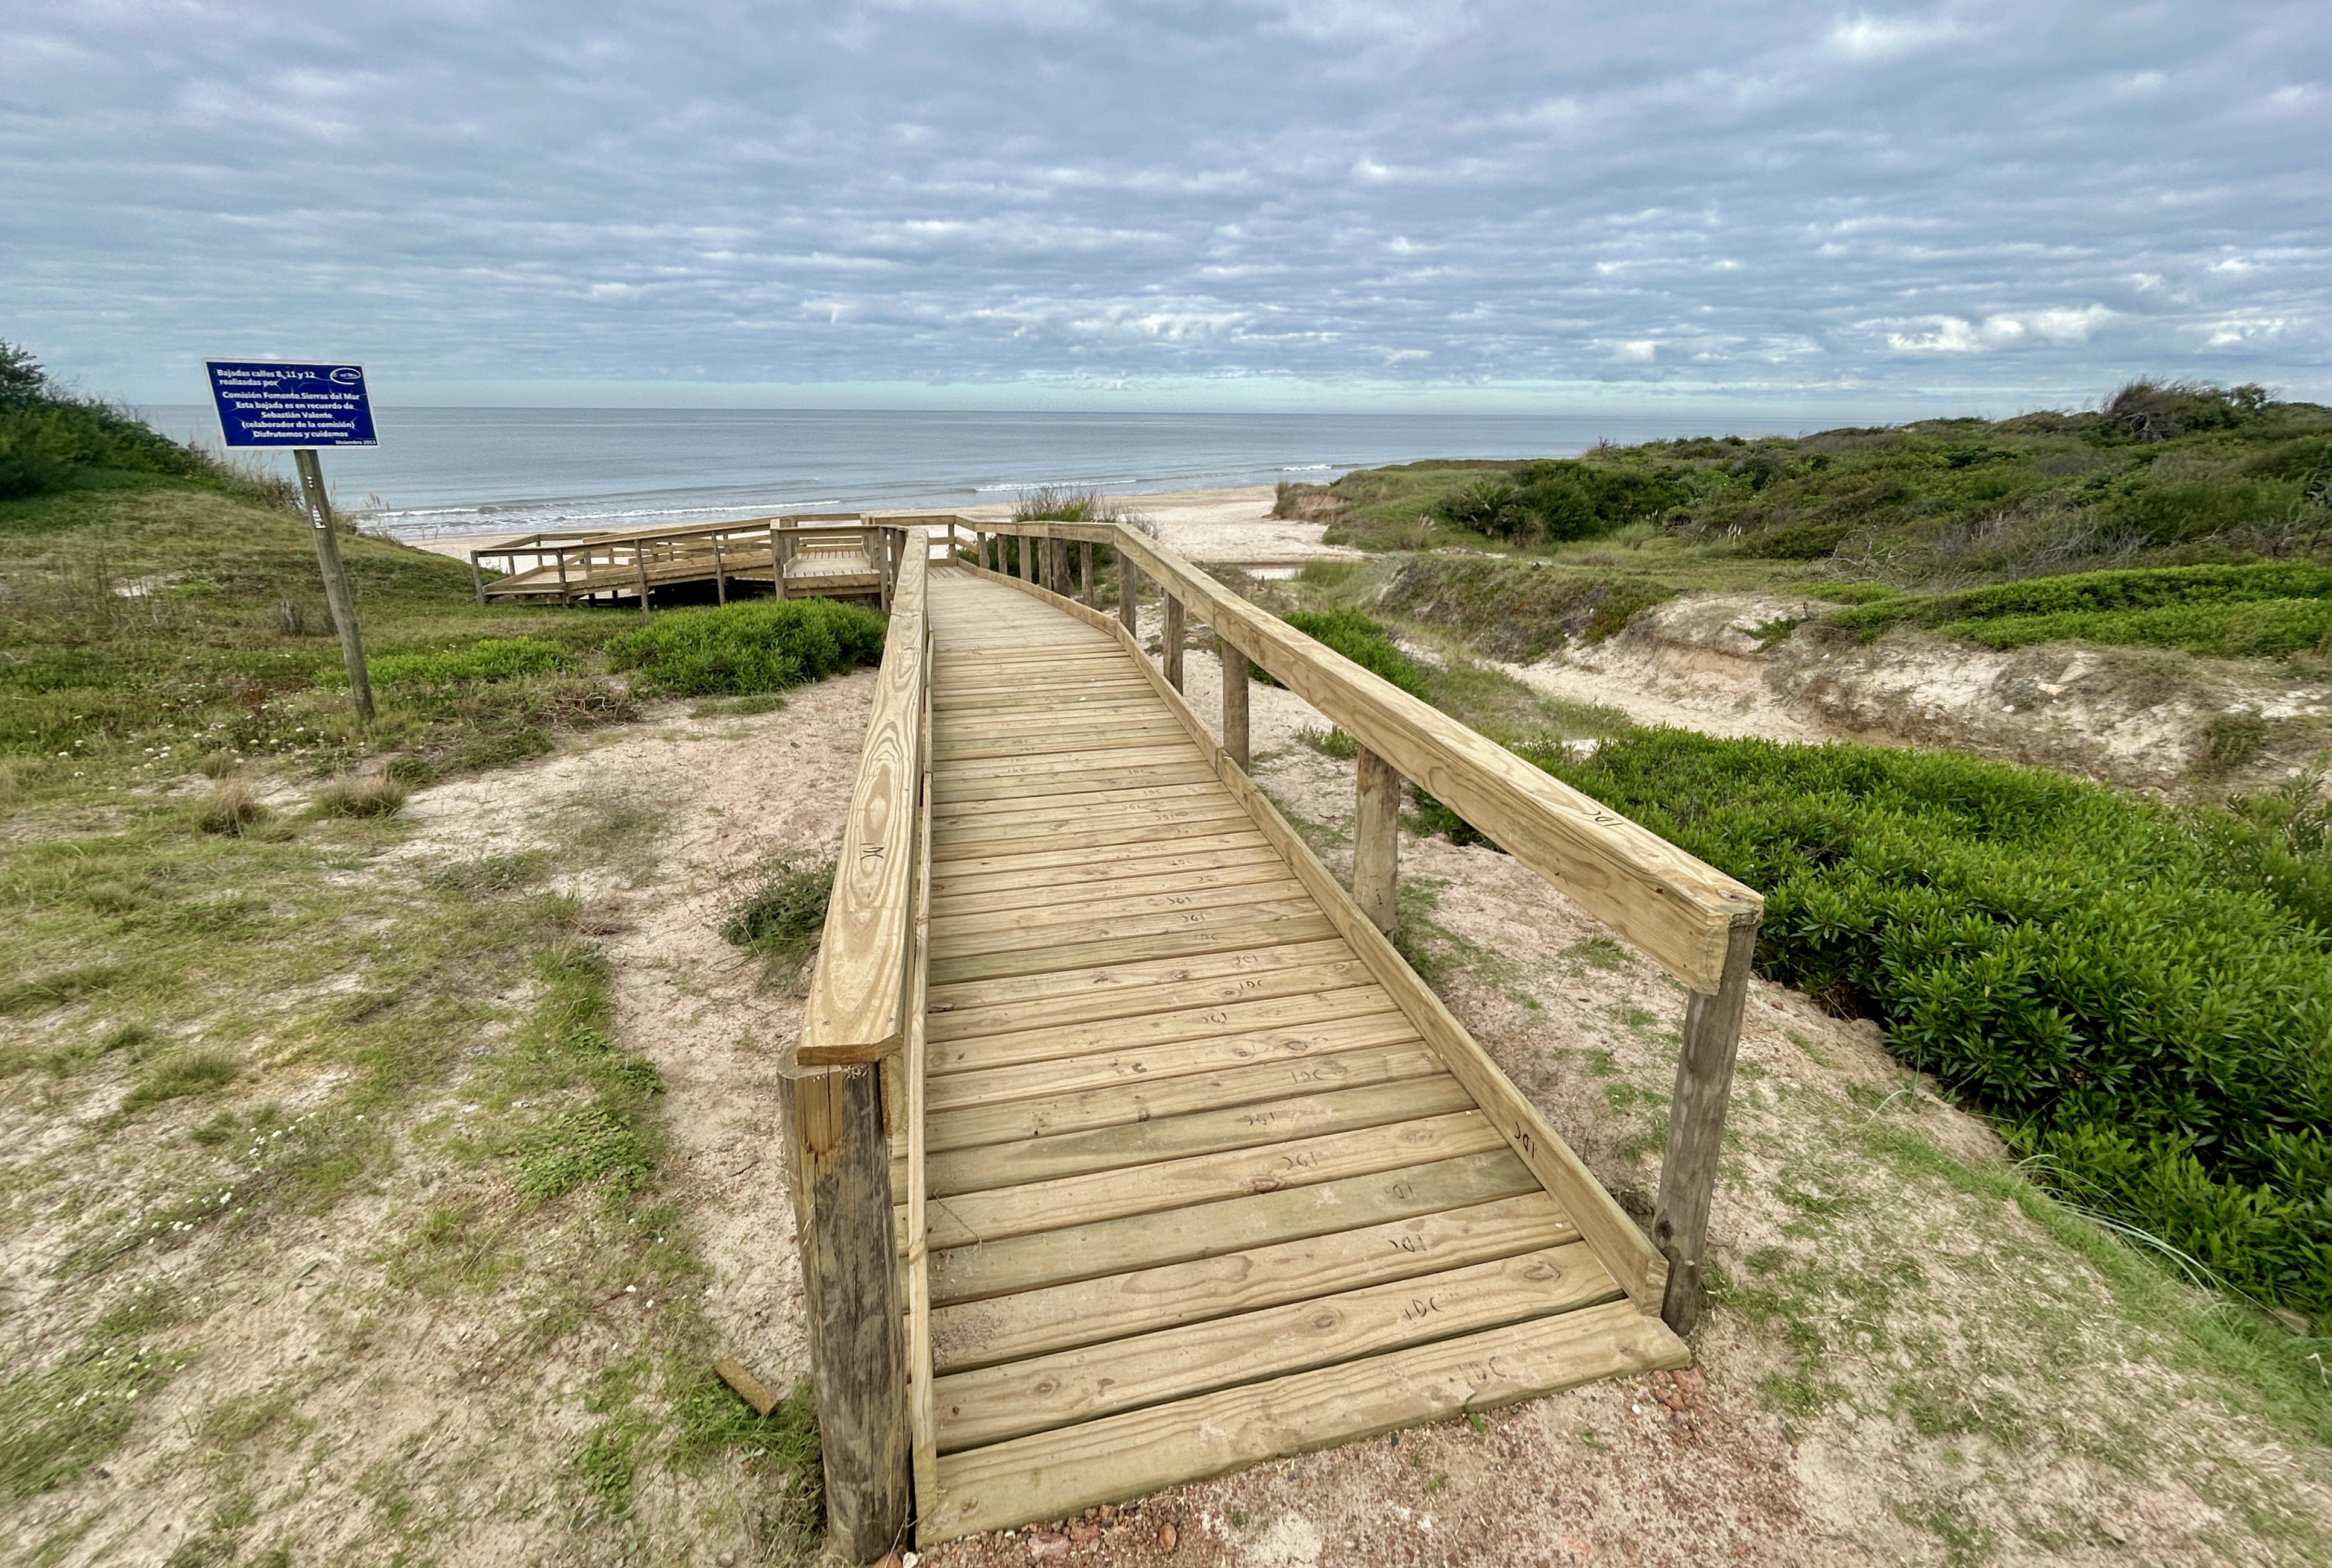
(179, 1075)
(595, 1144)
(783, 1445)
(57, 1422)
(231, 810)
(350, 794)
(1331, 742)
(2234, 739)
(484, 660)
(781, 919)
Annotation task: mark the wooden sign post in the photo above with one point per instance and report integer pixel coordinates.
(264, 404)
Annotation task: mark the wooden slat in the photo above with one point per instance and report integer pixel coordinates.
(1057, 1473)
(1037, 1121)
(1149, 820)
(985, 1217)
(1147, 1241)
(950, 791)
(1060, 869)
(1090, 1312)
(1188, 943)
(1169, 1060)
(1234, 871)
(1217, 1127)
(996, 1403)
(1015, 806)
(1137, 976)
(1076, 930)
(1061, 1041)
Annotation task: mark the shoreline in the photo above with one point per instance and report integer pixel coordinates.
(1233, 526)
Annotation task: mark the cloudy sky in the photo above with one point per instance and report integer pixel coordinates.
(1215, 204)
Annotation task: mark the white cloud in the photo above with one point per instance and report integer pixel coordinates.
(1635, 351)
(1867, 37)
(1958, 335)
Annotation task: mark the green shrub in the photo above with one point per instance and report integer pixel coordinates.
(759, 646)
(2145, 1014)
(48, 440)
(2258, 611)
(1362, 640)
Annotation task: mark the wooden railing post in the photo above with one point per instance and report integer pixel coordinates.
(1376, 839)
(1056, 557)
(1027, 547)
(1129, 589)
(640, 560)
(1235, 724)
(1170, 655)
(840, 1160)
(1712, 1034)
(781, 551)
(478, 578)
(979, 549)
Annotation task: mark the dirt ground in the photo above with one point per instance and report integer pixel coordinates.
(1908, 1357)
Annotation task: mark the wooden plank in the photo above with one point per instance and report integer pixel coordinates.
(922, 1420)
(1168, 1059)
(857, 999)
(1106, 900)
(1005, 900)
(1188, 942)
(1123, 759)
(1047, 744)
(1133, 788)
(1054, 1474)
(1128, 1104)
(1139, 866)
(967, 844)
(1103, 1003)
(1035, 1322)
(996, 1403)
(954, 939)
(1696, 1141)
(1043, 1208)
(952, 792)
(1062, 1041)
(1138, 976)
(1145, 1241)
(1216, 1128)
(1143, 820)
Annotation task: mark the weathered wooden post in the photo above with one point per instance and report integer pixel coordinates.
(979, 551)
(1703, 1081)
(1057, 558)
(478, 578)
(1235, 694)
(1376, 839)
(1170, 656)
(1128, 588)
(640, 560)
(720, 573)
(1027, 547)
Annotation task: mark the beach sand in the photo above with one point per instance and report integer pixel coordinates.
(1233, 527)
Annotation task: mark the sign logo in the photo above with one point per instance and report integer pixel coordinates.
(262, 403)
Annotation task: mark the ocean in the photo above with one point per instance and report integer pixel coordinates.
(467, 471)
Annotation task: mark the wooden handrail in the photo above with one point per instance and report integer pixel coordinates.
(858, 994)
(1678, 909)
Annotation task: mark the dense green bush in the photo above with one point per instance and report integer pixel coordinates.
(759, 646)
(1558, 500)
(2142, 998)
(1362, 640)
(2261, 610)
(47, 438)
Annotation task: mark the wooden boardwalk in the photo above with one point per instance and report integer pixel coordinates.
(1196, 1189)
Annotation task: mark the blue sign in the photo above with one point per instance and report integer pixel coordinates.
(263, 404)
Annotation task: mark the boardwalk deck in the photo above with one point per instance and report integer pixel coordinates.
(1199, 1190)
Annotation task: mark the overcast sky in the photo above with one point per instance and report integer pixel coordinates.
(1320, 202)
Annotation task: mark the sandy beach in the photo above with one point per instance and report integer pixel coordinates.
(1233, 527)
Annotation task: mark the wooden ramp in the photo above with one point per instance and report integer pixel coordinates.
(1206, 1180)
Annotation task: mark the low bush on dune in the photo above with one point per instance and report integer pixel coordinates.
(2262, 610)
(736, 650)
(2141, 997)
